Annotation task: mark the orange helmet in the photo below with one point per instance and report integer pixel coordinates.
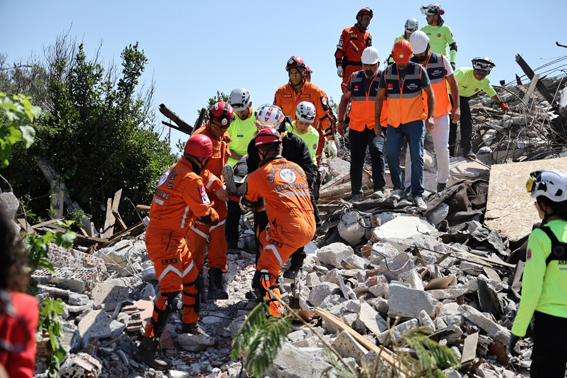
(402, 51)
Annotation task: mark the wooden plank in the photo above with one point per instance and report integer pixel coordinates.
(46, 223)
(528, 71)
(386, 355)
(25, 226)
(509, 209)
(105, 232)
(143, 208)
(531, 89)
(119, 220)
(115, 204)
(469, 348)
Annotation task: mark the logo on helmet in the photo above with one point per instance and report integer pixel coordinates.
(224, 121)
(290, 61)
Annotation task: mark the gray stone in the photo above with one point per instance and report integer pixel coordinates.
(408, 302)
(400, 331)
(350, 228)
(413, 278)
(80, 365)
(107, 293)
(11, 203)
(331, 301)
(380, 290)
(371, 319)
(320, 292)
(439, 323)
(100, 325)
(356, 261)
(236, 324)
(381, 251)
(369, 361)
(334, 253)
(148, 292)
(486, 323)
(421, 241)
(293, 362)
(196, 343)
(178, 374)
(452, 373)
(312, 279)
(149, 274)
(296, 336)
(425, 321)
(455, 337)
(439, 213)
(448, 293)
(401, 263)
(78, 299)
(380, 304)
(347, 346)
(335, 277)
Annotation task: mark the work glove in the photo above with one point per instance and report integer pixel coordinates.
(208, 219)
(332, 148)
(505, 108)
(340, 71)
(512, 341)
(453, 64)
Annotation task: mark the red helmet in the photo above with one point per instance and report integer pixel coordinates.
(199, 145)
(364, 12)
(308, 73)
(266, 136)
(402, 51)
(221, 114)
(295, 62)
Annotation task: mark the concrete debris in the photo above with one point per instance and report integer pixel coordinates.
(407, 302)
(195, 343)
(334, 254)
(80, 365)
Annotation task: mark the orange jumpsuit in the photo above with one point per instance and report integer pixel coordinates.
(283, 186)
(179, 198)
(352, 43)
(197, 239)
(287, 100)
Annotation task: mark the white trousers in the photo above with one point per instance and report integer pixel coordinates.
(440, 136)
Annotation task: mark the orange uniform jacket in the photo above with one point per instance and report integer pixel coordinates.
(181, 194)
(349, 50)
(287, 100)
(221, 150)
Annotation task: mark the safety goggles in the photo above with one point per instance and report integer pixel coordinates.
(532, 181)
(480, 65)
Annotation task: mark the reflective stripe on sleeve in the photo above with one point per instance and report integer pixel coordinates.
(299, 194)
(184, 217)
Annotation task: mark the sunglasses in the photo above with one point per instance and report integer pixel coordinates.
(219, 127)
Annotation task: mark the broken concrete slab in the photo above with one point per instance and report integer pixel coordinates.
(106, 293)
(449, 293)
(295, 362)
(486, 323)
(412, 278)
(398, 332)
(408, 302)
(100, 325)
(347, 346)
(469, 348)
(333, 254)
(77, 280)
(426, 322)
(322, 291)
(371, 319)
(196, 343)
(403, 227)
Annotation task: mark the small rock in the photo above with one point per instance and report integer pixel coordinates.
(195, 343)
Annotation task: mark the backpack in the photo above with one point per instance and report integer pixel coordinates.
(558, 249)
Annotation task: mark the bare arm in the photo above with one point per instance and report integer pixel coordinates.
(378, 104)
(430, 122)
(343, 106)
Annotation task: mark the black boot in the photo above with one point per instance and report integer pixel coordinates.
(292, 271)
(232, 247)
(148, 353)
(216, 291)
(441, 187)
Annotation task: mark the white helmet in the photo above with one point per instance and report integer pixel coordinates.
(411, 25)
(551, 184)
(370, 55)
(432, 9)
(419, 42)
(239, 99)
(268, 116)
(305, 112)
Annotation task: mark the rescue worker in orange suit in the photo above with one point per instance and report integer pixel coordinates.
(404, 83)
(298, 89)
(221, 116)
(293, 149)
(179, 201)
(361, 91)
(285, 192)
(352, 43)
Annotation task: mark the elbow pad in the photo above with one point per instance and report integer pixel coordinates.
(453, 46)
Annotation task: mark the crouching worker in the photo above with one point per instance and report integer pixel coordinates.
(180, 197)
(285, 192)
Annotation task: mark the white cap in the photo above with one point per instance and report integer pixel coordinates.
(370, 55)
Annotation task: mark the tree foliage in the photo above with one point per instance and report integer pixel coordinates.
(99, 130)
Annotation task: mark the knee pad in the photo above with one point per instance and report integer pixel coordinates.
(199, 284)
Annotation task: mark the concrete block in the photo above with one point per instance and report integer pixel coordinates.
(312, 279)
(322, 291)
(370, 360)
(80, 365)
(296, 336)
(334, 253)
(77, 280)
(295, 362)
(485, 322)
(106, 293)
(371, 319)
(99, 325)
(381, 251)
(116, 257)
(60, 257)
(380, 290)
(196, 343)
(334, 277)
(380, 304)
(425, 321)
(399, 331)
(404, 227)
(413, 278)
(347, 346)
(408, 302)
(11, 203)
(356, 261)
(350, 228)
(78, 299)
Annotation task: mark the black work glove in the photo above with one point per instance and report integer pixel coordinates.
(512, 341)
(206, 220)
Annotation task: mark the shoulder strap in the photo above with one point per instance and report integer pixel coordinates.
(557, 248)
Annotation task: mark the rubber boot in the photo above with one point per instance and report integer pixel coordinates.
(441, 187)
(216, 291)
(148, 353)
